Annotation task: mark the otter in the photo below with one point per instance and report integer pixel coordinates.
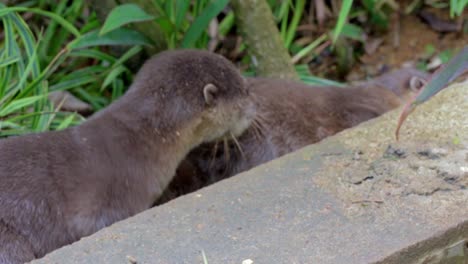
(291, 115)
(57, 187)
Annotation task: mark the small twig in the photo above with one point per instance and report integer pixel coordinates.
(367, 201)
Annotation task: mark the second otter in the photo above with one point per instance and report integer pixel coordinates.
(291, 115)
(57, 187)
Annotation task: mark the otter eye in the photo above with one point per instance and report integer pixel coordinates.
(209, 92)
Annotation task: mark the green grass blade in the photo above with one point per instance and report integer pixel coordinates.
(18, 104)
(453, 6)
(159, 8)
(45, 73)
(93, 54)
(66, 122)
(21, 83)
(69, 84)
(9, 51)
(130, 53)
(112, 76)
(314, 81)
(8, 61)
(298, 10)
(9, 124)
(201, 22)
(51, 29)
(181, 12)
(284, 17)
(118, 88)
(96, 101)
(64, 23)
(29, 43)
(309, 48)
(342, 16)
(93, 70)
(31, 48)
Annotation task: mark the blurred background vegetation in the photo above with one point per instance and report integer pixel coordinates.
(60, 60)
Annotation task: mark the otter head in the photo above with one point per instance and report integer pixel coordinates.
(201, 95)
(404, 83)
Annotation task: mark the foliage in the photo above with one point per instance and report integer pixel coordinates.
(33, 64)
(352, 20)
(122, 15)
(180, 30)
(60, 45)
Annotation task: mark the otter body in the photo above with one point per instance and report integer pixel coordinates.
(291, 115)
(57, 187)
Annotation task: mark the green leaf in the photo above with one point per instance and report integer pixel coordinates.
(342, 16)
(166, 25)
(201, 22)
(120, 36)
(18, 104)
(124, 14)
(226, 24)
(353, 32)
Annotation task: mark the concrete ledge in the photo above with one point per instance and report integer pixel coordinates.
(358, 197)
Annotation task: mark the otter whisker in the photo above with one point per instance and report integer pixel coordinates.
(227, 155)
(238, 145)
(258, 129)
(255, 130)
(213, 154)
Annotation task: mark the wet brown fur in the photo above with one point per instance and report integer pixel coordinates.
(57, 187)
(291, 115)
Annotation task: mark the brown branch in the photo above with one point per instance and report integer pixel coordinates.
(256, 24)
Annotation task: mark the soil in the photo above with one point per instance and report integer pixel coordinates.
(415, 38)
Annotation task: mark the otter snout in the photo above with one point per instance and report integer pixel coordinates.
(245, 117)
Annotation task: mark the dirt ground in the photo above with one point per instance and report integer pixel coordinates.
(408, 43)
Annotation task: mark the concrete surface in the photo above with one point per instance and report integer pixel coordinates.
(358, 197)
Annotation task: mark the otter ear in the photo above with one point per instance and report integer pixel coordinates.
(416, 83)
(209, 92)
